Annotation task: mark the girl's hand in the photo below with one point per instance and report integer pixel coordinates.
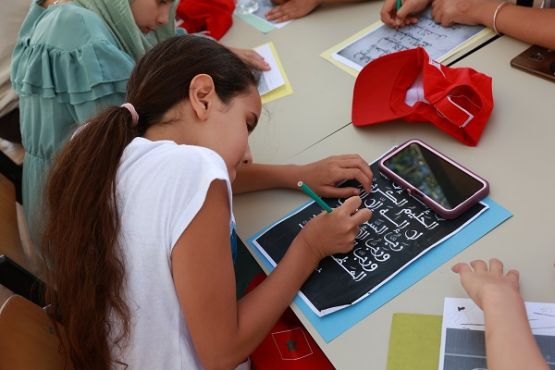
(251, 58)
(331, 233)
(480, 280)
(471, 12)
(323, 176)
(405, 15)
(291, 9)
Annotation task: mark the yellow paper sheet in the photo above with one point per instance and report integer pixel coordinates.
(282, 91)
(475, 40)
(414, 342)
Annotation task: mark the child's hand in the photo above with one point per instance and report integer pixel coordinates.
(449, 12)
(331, 233)
(251, 58)
(480, 280)
(323, 176)
(291, 9)
(405, 15)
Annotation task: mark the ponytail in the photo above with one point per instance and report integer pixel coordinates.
(84, 263)
(83, 214)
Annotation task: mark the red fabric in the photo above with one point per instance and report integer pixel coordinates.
(288, 346)
(212, 16)
(458, 101)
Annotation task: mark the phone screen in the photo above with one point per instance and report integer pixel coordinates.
(434, 176)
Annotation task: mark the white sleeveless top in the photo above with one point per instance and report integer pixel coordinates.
(160, 188)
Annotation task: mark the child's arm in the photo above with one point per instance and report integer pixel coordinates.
(531, 25)
(292, 9)
(510, 344)
(225, 331)
(322, 176)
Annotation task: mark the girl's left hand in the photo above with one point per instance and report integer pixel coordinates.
(251, 58)
(291, 9)
(324, 175)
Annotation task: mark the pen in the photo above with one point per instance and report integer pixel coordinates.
(308, 191)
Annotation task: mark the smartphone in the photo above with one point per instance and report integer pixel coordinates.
(536, 60)
(445, 186)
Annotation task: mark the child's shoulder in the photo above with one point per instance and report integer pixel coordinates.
(69, 26)
(167, 156)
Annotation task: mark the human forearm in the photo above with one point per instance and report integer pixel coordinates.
(531, 25)
(254, 177)
(510, 344)
(260, 310)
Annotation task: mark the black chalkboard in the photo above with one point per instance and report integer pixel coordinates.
(401, 230)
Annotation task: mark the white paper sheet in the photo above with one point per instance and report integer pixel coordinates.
(271, 79)
(462, 333)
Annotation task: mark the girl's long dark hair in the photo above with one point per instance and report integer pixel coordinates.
(85, 270)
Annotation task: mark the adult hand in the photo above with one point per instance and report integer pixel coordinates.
(479, 280)
(406, 14)
(471, 12)
(251, 58)
(324, 175)
(291, 9)
(335, 232)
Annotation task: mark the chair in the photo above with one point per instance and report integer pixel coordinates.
(27, 338)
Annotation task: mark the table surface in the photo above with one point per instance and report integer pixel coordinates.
(513, 154)
(322, 93)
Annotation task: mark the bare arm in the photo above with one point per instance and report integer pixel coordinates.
(531, 25)
(507, 327)
(225, 331)
(322, 176)
(292, 9)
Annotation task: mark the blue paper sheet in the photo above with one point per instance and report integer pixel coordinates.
(333, 325)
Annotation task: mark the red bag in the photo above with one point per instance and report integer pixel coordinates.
(288, 346)
(212, 16)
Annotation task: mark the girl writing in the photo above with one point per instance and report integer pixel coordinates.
(139, 203)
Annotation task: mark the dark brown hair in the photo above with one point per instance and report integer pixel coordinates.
(84, 267)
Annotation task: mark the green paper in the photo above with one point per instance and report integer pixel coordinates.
(256, 22)
(414, 342)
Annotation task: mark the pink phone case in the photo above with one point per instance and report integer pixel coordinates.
(418, 194)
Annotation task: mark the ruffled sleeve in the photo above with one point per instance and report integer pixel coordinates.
(72, 67)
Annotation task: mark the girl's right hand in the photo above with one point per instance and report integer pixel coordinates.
(406, 14)
(335, 232)
(481, 281)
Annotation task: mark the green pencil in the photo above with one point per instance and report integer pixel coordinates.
(308, 191)
(398, 4)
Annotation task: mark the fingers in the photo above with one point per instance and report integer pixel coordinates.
(292, 9)
(461, 268)
(354, 167)
(351, 205)
(362, 215)
(513, 275)
(335, 192)
(255, 60)
(496, 266)
(479, 266)
(387, 14)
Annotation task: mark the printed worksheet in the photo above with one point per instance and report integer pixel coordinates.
(379, 39)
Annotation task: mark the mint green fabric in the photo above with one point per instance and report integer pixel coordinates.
(117, 15)
(66, 67)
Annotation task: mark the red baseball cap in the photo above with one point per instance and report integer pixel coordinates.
(411, 86)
